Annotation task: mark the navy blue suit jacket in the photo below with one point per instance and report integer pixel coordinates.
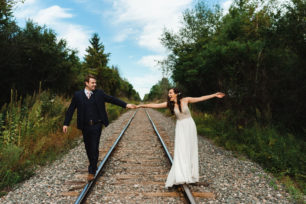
(78, 102)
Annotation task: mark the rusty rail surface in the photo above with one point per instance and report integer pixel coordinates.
(86, 190)
(90, 184)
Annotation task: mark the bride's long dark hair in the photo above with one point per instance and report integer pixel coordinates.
(170, 104)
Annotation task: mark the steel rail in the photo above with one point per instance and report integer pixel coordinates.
(187, 191)
(90, 184)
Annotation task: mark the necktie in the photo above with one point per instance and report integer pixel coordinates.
(88, 94)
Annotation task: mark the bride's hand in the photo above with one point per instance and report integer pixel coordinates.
(139, 106)
(219, 95)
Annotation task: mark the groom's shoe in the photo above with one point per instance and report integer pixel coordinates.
(90, 177)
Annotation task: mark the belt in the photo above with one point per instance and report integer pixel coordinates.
(91, 122)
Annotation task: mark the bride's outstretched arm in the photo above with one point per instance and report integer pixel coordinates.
(204, 98)
(153, 105)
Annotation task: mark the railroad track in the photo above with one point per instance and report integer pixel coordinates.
(135, 169)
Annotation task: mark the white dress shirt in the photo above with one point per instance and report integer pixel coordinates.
(88, 93)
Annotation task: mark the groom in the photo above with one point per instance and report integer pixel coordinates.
(91, 114)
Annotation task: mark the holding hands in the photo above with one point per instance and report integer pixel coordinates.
(131, 106)
(219, 95)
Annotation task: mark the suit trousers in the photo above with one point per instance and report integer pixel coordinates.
(91, 137)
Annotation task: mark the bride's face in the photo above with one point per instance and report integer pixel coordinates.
(172, 95)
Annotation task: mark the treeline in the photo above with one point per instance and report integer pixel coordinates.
(38, 71)
(256, 55)
(33, 55)
(159, 91)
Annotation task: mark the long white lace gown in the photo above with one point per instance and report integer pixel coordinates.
(185, 166)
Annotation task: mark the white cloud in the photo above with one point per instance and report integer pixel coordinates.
(76, 37)
(26, 9)
(150, 17)
(30, 2)
(56, 18)
(226, 5)
(144, 83)
(150, 38)
(123, 35)
(274, 5)
(52, 15)
(147, 19)
(151, 61)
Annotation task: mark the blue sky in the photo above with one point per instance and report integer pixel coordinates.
(129, 29)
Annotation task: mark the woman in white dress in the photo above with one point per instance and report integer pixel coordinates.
(185, 166)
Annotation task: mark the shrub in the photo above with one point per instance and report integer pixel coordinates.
(278, 152)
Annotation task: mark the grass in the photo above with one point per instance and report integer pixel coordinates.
(277, 152)
(31, 135)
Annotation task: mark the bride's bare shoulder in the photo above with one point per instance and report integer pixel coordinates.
(185, 100)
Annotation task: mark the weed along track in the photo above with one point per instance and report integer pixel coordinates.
(134, 168)
(137, 169)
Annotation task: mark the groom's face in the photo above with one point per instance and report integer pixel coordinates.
(91, 84)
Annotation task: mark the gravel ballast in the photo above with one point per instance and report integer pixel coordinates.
(232, 180)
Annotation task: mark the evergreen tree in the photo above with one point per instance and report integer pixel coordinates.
(33, 56)
(96, 58)
(8, 47)
(108, 78)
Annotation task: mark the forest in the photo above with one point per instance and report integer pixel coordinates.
(31, 57)
(255, 54)
(39, 74)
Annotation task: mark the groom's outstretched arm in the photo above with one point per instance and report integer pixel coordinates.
(118, 102)
(114, 100)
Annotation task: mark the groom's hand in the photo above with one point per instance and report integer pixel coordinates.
(132, 106)
(65, 128)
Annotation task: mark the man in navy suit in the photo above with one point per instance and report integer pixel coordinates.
(91, 114)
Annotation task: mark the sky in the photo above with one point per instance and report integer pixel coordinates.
(129, 29)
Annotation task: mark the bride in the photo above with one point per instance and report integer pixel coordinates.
(185, 167)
